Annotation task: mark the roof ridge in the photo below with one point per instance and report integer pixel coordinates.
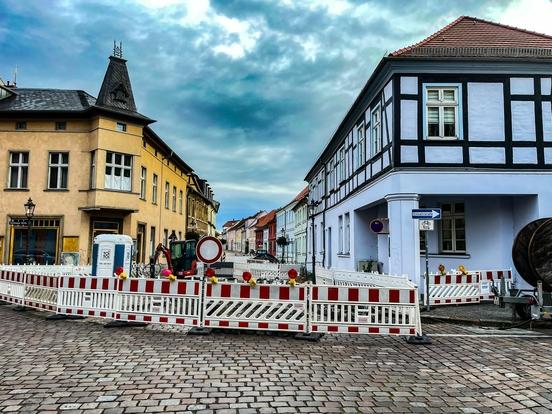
(519, 29)
(430, 37)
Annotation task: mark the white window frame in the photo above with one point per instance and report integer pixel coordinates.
(452, 216)
(167, 194)
(21, 166)
(61, 167)
(143, 178)
(441, 104)
(180, 201)
(154, 188)
(124, 183)
(340, 234)
(346, 233)
(375, 132)
(361, 153)
(174, 199)
(93, 169)
(341, 169)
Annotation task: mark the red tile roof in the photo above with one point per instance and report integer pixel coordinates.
(304, 192)
(470, 36)
(229, 223)
(266, 219)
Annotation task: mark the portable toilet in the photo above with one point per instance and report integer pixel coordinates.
(109, 252)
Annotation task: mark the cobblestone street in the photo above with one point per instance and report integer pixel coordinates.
(80, 366)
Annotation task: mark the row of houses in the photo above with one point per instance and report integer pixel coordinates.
(263, 230)
(461, 121)
(91, 165)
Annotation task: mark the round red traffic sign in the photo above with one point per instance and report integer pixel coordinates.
(209, 249)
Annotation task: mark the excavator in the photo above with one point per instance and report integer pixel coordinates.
(180, 256)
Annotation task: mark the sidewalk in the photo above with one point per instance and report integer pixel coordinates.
(480, 314)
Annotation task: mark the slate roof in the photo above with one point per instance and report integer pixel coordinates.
(28, 99)
(116, 90)
(469, 36)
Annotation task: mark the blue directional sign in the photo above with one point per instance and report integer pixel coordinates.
(426, 213)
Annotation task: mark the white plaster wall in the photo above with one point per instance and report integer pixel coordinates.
(522, 86)
(409, 119)
(484, 155)
(525, 155)
(486, 111)
(443, 155)
(409, 84)
(523, 121)
(409, 153)
(547, 121)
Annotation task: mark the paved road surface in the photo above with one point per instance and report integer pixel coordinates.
(80, 366)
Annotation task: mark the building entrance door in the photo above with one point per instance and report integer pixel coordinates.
(141, 243)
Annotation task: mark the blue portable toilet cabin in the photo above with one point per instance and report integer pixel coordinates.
(109, 252)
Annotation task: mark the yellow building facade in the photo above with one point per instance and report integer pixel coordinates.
(92, 166)
(201, 207)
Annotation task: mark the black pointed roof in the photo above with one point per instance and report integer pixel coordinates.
(116, 90)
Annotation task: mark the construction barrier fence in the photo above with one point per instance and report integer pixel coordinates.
(303, 308)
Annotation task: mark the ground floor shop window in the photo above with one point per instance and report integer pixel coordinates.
(453, 228)
(43, 242)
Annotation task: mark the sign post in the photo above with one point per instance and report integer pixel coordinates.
(426, 222)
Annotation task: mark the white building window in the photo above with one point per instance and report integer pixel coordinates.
(93, 169)
(167, 191)
(453, 228)
(58, 169)
(143, 176)
(340, 235)
(347, 233)
(19, 170)
(174, 199)
(118, 171)
(375, 132)
(154, 189)
(441, 112)
(180, 201)
(361, 153)
(341, 169)
(332, 175)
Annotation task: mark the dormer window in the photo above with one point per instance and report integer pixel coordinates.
(442, 111)
(121, 127)
(120, 94)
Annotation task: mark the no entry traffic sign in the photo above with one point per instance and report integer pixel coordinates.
(209, 249)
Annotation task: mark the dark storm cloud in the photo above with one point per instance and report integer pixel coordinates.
(247, 92)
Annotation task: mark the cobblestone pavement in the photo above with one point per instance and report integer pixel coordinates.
(80, 366)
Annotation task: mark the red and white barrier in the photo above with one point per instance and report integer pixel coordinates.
(88, 296)
(41, 292)
(454, 289)
(12, 287)
(492, 278)
(263, 307)
(160, 301)
(364, 310)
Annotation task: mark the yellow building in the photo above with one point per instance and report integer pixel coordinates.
(91, 166)
(201, 207)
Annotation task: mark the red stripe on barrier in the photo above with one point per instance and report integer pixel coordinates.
(332, 328)
(94, 283)
(468, 278)
(263, 325)
(437, 280)
(225, 291)
(301, 293)
(133, 285)
(131, 317)
(147, 318)
(447, 301)
(243, 324)
(448, 280)
(90, 313)
(284, 293)
(373, 330)
(315, 293)
(245, 292)
(373, 295)
(283, 326)
(395, 330)
(353, 294)
(500, 274)
(394, 296)
(163, 319)
(458, 278)
(82, 283)
(352, 329)
(314, 328)
(71, 283)
(412, 297)
(105, 284)
(196, 288)
(224, 323)
(80, 312)
(207, 323)
(181, 288)
(412, 331)
(180, 321)
(333, 293)
(489, 275)
(149, 286)
(103, 314)
(264, 292)
(165, 286)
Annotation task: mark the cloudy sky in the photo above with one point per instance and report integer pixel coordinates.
(248, 92)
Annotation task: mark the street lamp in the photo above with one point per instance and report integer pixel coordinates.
(282, 242)
(312, 210)
(29, 213)
(173, 237)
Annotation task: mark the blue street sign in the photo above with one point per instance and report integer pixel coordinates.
(426, 213)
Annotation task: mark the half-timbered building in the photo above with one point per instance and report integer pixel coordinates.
(461, 121)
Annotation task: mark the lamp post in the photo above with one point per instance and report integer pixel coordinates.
(173, 237)
(29, 213)
(283, 242)
(312, 210)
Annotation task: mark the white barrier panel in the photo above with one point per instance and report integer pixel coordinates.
(266, 271)
(352, 278)
(364, 310)
(41, 292)
(88, 296)
(12, 286)
(49, 270)
(264, 307)
(160, 301)
(454, 289)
